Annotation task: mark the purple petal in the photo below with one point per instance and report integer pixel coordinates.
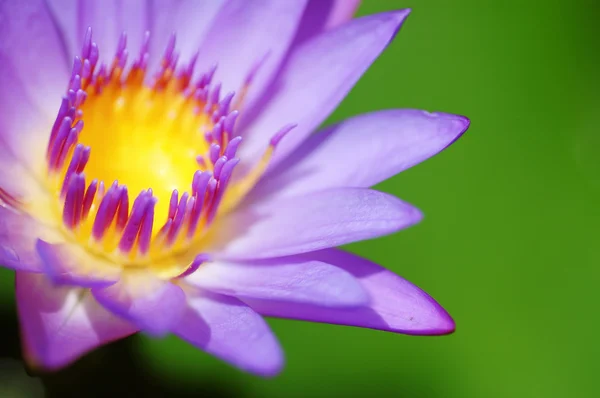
(227, 328)
(245, 32)
(70, 264)
(27, 104)
(362, 151)
(18, 236)
(107, 18)
(17, 183)
(321, 15)
(18, 152)
(188, 19)
(154, 305)
(315, 78)
(396, 305)
(293, 281)
(310, 222)
(60, 324)
(24, 131)
(34, 53)
(341, 12)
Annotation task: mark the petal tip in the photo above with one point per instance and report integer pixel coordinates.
(399, 16)
(446, 325)
(451, 326)
(462, 125)
(443, 325)
(462, 122)
(454, 125)
(466, 122)
(404, 12)
(417, 215)
(411, 216)
(44, 365)
(271, 369)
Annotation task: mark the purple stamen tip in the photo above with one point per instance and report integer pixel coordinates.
(214, 152)
(80, 98)
(77, 66)
(72, 209)
(170, 46)
(210, 190)
(76, 160)
(206, 78)
(86, 71)
(219, 165)
(214, 96)
(178, 220)
(201, 95)
(94, 54)
(89, 198)
(232, 147)
(146, 42)
(134, 222)
(217, 131)
(123, 209)
(224, 177)
(254, 70)
(106, 211)
(199, 189)
(76, 86)
(145, 235)
(122, 43)
(87, 43)
(201, 162)
(123, 59)
(226, 102)
(282, 133)
(230, 121)
(199, 260)
(173, 203)
(192, 64)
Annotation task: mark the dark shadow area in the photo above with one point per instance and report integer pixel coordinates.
(110, 371)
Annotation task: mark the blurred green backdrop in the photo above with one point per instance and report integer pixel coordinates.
(510, 240)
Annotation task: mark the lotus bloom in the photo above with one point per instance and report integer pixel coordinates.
(155, 185)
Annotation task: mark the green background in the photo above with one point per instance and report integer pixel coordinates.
(510, 240)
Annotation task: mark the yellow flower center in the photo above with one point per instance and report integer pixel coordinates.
(141, 169)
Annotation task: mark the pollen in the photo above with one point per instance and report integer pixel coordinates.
(141, 164)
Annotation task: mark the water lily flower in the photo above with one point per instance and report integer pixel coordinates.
(172, 184)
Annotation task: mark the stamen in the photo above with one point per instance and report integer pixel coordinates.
(223, 179)
(232, 147)
(281, 133)
(199, 189)
(105, 110)
(198, 260)
(249, 78)
(74, 201)
(145, 235)
(214, 152)
(106, 212)
(123, 210)
(131, 231)
(178, 220)
(79, 159)
(173, 204)
(249, 180)
(89, 197)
